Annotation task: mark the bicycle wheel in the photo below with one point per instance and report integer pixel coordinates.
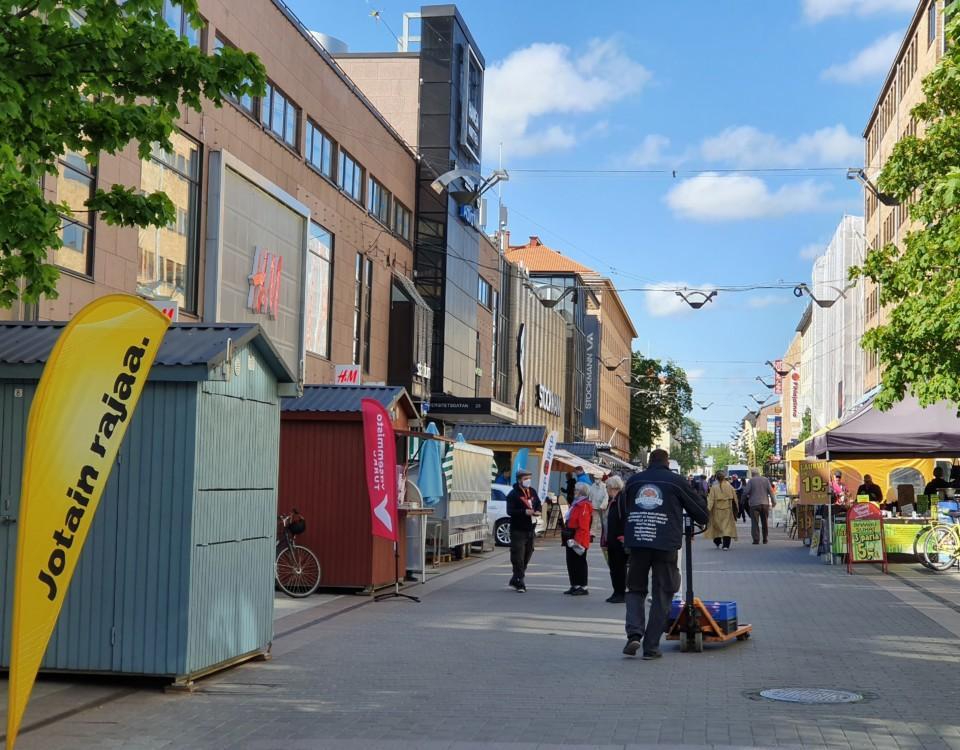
(298, 571)
(941, 548)
(918, 543)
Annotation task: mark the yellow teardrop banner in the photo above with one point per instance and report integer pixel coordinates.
(83, 404)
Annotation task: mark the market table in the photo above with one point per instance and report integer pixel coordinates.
(899, 535)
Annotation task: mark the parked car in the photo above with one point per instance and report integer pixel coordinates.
(497, 517)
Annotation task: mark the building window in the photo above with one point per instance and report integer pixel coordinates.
(320, 150)
(931, 22)
(483, 292)
(357, 307)
(319, 290)
(75, 186)
(279, 115)
(401, 220)
(177, 20)
(245, 102)
(351, 177)
(368, 311)
(169, 255)
(378, 201)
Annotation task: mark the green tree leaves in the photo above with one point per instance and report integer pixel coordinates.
(92, 76)
(661, 396)
(918, 346)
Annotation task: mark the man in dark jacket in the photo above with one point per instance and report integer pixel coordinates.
(523, 506)
(653, 532)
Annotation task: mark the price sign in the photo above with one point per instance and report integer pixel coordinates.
(865, 542)
(814, 483)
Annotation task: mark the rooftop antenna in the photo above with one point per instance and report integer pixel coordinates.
(377, 16)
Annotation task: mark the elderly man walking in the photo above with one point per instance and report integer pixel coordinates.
(760, 498)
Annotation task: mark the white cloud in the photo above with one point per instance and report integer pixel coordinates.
(666, 303)
(812, 251)
(868, 63)
(695, 373)
(767, 300)
(747, 147)
(550, 80)
(714, 197)
(650, 152)
(819, 10)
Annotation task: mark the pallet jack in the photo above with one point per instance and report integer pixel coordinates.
(695, 625)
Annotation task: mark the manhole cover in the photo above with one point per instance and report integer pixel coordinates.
(811, 695)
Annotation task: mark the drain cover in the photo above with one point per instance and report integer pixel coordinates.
(811, 695)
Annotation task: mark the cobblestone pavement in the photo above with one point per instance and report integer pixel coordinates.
(476, 665)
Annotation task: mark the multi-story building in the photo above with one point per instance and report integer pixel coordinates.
(890, 120)
(599, 336)
(293, 210)
(432, 92)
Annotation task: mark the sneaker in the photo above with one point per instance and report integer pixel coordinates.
(615, 599)
(579, 591)
(756, 542)
(570, 591)
(650, 655)
(634, 642)
(521, 588)
(764, 541)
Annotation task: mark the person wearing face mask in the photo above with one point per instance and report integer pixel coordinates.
(523, 506)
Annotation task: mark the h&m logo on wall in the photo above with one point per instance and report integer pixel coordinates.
(264, 295)
(346, 375)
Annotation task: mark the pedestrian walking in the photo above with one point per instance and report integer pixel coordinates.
(760, 498)
(722, 507)
(576, 539)
(612, 540)
(523, 506)
(741, 509)
(655, 500)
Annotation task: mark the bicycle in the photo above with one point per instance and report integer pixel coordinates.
(297, 569)
(940, 544)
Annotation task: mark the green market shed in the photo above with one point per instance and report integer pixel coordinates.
(176, 578)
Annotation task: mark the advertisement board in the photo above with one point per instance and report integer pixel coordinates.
(814, 482)
(591, 373)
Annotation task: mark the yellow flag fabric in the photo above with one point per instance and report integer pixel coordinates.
(80, 413)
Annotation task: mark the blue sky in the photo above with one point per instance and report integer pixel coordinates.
(691, 86)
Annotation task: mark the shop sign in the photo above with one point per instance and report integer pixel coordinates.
(591, 373)
(795, 396)
(264, 295)
(548, 400)
(346, 375)
(169, 307)
(458, 406)
(814, 483)
(777, 377)
(423, 370)
(777, 438)
(865, 541)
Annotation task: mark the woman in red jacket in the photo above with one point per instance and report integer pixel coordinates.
(577, 539)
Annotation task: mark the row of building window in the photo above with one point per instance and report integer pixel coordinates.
(280, 116)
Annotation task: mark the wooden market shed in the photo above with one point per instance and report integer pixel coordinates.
(322, 475)
(176, 578)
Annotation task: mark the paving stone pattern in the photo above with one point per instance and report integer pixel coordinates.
(479, 666)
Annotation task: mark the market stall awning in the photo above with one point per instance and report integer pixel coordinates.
(568, 461)
(615, 461)
(907, 430)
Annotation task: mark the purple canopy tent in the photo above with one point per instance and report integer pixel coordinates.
(906, 430)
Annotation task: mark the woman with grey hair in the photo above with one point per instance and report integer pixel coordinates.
(612, 539)
(576, 539)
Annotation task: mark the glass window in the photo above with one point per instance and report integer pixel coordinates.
(931, 22)
(368, 310)
(168, 256)
(378, 201)
(319, 290)
(319, 148)
(351, 177)
(177, 20)
(357, 307)
(401, 220)
(75, 186)
(483, 292)
(245, 102)
(279, 115)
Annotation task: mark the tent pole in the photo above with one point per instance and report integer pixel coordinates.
(830, 528)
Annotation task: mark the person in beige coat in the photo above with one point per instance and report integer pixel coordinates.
(721, 504)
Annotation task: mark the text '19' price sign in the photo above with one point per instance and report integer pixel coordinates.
(814, 482)
(865, 542)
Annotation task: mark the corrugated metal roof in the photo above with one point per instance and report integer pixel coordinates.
(582, 450)
(184, 345)
(502, 433)
(345, 398)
